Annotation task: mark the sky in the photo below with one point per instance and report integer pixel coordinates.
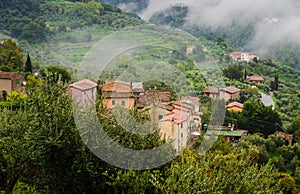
(275, 20)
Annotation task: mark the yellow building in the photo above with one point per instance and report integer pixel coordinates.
(175, 126)
(235, 107)
(157, 112)
(117, 93)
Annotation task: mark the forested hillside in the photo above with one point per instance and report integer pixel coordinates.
(241, 35)
(42, 149)
(35, 21)
(129, 5)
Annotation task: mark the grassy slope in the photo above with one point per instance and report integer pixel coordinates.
(69, 46)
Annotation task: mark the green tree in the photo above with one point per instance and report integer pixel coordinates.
(233, 72)
(11, 57)
(294, 128)
(257, 118)
(28, 66)
(57, 72)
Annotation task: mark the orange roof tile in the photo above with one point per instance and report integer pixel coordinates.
(84, 84)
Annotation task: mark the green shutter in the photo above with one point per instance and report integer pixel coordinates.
(18, 82)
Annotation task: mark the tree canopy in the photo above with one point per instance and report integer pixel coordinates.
(11, 57)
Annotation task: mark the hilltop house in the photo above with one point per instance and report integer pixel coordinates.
(228, 93)
(213, 93)
(243, 56)
(11, 81)
(118, 93)
(235, 107)
(84, 91)
(255, 79)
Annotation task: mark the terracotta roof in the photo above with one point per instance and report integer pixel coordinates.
(118, 82)
(235, 104)
(231, 89)
(255, 78)
(8, 75)
(211, 90)
(153, 96)
(84, 84)
(139, 90)
(183, 105)
(177, 116)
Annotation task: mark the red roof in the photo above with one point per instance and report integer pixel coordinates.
(183, 105)
(231, 89)
(178, 116)
(235, 104)
(8, 75)
(211, 90)
(84, 84)
(255, 78)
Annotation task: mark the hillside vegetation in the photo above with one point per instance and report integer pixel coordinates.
(41, 147)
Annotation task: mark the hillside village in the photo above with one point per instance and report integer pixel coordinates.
(178, 120)
(66, 129)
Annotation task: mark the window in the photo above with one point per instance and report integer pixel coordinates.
(123, 103)
(84, 101)
(113, 102)
(181, 125)
(18, 82)
(160, 117)
(92, 91)
(181, 135)
(84, 92)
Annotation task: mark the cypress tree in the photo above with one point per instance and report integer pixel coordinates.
(28, 66)
(276, 82)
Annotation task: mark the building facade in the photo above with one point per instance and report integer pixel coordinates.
(84, 91)
(117, 93)
(11, 81)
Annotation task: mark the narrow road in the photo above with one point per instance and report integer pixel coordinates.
(267, 100)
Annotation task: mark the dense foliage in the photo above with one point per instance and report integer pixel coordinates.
(11, 56)
(34, 21)
(41, 149)
(133, 5)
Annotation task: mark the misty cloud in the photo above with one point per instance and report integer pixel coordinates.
(274, 20)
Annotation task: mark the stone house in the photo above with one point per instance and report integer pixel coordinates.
(255, 79)
(11, 81)
(228, 93)
(84, 91)
(243, 56)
